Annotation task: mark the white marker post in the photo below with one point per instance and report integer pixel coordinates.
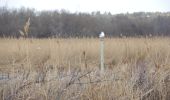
(101, 36)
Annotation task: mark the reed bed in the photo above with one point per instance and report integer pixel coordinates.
(69, 69)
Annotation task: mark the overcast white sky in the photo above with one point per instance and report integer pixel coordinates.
(113, 6)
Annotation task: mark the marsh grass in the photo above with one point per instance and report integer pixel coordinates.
(62, 69)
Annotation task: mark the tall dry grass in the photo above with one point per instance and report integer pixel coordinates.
(62, 69)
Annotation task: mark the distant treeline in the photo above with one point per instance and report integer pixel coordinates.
(65, 24)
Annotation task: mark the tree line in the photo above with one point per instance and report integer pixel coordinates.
(65, 24)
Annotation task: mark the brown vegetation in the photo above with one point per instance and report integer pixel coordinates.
(68, 69)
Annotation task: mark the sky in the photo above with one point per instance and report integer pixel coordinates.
(113, 6)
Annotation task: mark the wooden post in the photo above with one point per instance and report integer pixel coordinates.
(101, 36)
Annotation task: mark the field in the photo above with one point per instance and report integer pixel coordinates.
(69, 69)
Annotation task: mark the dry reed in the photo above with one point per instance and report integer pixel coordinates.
(62, 69)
